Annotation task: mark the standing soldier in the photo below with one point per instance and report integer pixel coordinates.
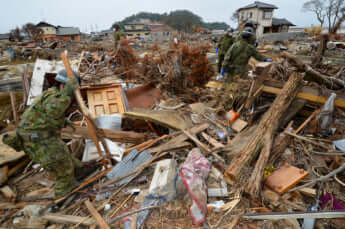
(38, 133)
(117, 36)
(237, 57)
(224, 44)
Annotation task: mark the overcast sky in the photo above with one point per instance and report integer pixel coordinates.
(100, 14)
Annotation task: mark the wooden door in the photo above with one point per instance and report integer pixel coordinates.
(106, 101)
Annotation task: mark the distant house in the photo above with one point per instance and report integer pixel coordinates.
(136, 30)
(4, 37)
(159, 31)
(51, 32)
(68, 33)
(107, 32)
(261, 14)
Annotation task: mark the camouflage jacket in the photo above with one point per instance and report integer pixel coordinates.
(237, 57)
(225, 44)
(48, 111)
(117, 36)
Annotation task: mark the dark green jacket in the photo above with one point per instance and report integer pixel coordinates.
(117, 37)
(237, 57)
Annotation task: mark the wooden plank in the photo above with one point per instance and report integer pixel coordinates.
(69, 219)
(308, 192)
(8, 154)
(114, 135)
(239, 125)
(296, 215)
(96, 215)
(307, 96)
(8, 193)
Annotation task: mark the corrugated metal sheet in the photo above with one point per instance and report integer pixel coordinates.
(132, 161)
(61, 31)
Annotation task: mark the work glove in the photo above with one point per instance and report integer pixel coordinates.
(224, 71)
(268, 60)
(216, 50)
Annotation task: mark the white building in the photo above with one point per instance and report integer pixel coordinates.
(261, 14)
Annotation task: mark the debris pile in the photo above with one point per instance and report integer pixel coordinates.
(163, 145)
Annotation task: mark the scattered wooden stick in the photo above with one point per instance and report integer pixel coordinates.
(121, 205)
(234, 222)
(322, 178)
(131, 213)
(101, 222)
(307, 121)
(306, 140)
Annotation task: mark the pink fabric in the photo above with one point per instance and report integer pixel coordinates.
(194, 173)
(337, 205)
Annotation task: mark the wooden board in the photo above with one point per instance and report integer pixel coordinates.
(239, 125)
(106, 100)
(307, 96)
(285, 178)
(69, 219)
(168, 118)
(7, 154)
(114, 135)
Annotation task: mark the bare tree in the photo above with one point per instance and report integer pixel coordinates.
(317, 7)
(31, 30)
(15, 34)
(332, 10)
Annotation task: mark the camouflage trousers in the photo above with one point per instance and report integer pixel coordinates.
(220, 62)
(54, 156)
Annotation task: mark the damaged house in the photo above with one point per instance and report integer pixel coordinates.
(261, 14)
(51, 32)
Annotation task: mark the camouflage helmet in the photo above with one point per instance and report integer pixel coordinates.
(247, 33)
(13, 141)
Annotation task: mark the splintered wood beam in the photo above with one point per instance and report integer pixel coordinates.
(14, 107)
(101, 222)
(86, 112)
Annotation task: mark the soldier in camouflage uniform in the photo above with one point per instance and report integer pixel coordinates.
(38, 134)
(237, 57)
(224, 44)
(117, 36)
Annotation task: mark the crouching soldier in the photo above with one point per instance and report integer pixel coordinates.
(38, 133)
